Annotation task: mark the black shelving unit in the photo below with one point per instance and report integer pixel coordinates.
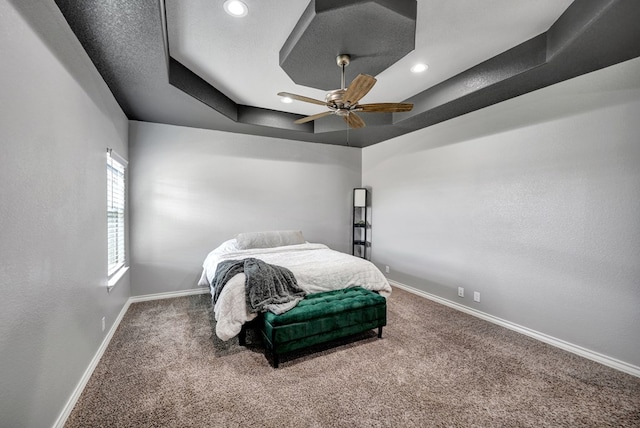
(360, 242)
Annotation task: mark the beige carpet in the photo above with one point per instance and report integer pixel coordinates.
(434, 366)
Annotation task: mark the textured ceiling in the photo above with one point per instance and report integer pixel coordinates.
(190, 64)
(375, 34)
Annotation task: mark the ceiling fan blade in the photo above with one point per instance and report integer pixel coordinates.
(302, 98)
(359, 87)
(385, 107)
(354, 121)
(313, 117)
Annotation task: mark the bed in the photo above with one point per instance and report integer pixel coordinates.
(316, 267)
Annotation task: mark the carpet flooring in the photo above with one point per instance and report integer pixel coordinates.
(434, 367)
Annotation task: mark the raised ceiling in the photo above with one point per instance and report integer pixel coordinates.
(375, 34)
(191, 64)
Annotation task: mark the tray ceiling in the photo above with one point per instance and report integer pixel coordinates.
(191, 64)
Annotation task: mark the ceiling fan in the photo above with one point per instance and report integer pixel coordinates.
(344, 101)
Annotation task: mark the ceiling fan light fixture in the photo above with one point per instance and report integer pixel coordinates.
(236, 8)
(419, 68)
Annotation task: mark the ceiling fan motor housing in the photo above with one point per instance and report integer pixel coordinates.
(335, 96)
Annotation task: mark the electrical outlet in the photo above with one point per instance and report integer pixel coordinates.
(476, 296)
(460, 292)
(386, 269)
(103, 324)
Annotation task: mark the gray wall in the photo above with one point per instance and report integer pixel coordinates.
(192, 189)
(57, 118)
(534, 202)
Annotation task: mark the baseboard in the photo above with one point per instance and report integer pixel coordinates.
(62, 419)
(64, 415)
(168, 295)
(559, 343)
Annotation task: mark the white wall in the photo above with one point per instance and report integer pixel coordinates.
(192, 189)
(534, 202)
(57, 118)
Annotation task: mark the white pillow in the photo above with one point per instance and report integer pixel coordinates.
(276, 238)
(229, 246)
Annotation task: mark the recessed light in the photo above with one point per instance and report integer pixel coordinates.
(236, 8)
(419, 68)
(286, 100)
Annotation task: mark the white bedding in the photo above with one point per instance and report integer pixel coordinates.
(316, 267)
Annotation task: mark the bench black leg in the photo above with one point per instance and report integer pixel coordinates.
(242, 337)
(267, 350)
(379, 332)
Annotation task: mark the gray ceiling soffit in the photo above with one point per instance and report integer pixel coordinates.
(186, 80)
(516, 61)
(376, 34)
(572, 25)
(189, 82)
(590, 35)
(125, 40)
(271, 118)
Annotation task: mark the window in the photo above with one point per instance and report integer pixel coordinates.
(116, 197)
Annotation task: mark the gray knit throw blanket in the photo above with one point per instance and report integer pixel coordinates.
(267, 286)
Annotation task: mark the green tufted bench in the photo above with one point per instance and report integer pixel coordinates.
(322, 317)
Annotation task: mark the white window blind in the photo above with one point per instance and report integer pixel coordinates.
(116, 197)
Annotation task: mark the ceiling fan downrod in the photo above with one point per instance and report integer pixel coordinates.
(343, 60)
